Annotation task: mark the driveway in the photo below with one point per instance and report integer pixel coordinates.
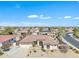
(16, 52)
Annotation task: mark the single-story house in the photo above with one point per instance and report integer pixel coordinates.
(6, 40)
(43, 41)
(22, 31)
(44, 31)
(34, 31)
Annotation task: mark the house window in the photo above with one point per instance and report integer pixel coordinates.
(44, 33)
(48, 46)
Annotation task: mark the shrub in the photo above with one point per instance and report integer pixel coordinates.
(70, 47)
(76, 32)
(43, 50)
(35, 51)
(1, 53)
(30, 51)
(77, 52)
(27, 54)
(51, 50)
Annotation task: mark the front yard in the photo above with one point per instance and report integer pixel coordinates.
(23, 52)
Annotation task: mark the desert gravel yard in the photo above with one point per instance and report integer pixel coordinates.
(23, 52)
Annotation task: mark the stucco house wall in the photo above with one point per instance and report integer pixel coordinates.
(27, 45)
(51, 47)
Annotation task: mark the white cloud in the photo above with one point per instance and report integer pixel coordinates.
(33, 16)
(76, 18)
(44, 17)
(67, 17)
(39, 16)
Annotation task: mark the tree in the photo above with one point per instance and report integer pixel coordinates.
(8, 30)
(62, 31)
(76, 32)
(40, 28)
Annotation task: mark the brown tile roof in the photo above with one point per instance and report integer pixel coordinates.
(30, 38)
(51, 42)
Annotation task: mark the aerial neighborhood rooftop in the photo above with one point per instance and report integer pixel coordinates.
(39, 29)
(45, 38)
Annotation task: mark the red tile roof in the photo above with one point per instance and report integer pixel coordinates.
(6, 37)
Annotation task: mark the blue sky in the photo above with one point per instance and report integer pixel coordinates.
(39, 13)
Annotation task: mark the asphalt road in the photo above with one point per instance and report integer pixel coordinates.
(71, 40)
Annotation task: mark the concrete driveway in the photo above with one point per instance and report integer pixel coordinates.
(16, 52)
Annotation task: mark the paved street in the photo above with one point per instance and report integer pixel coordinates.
(71, 40)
